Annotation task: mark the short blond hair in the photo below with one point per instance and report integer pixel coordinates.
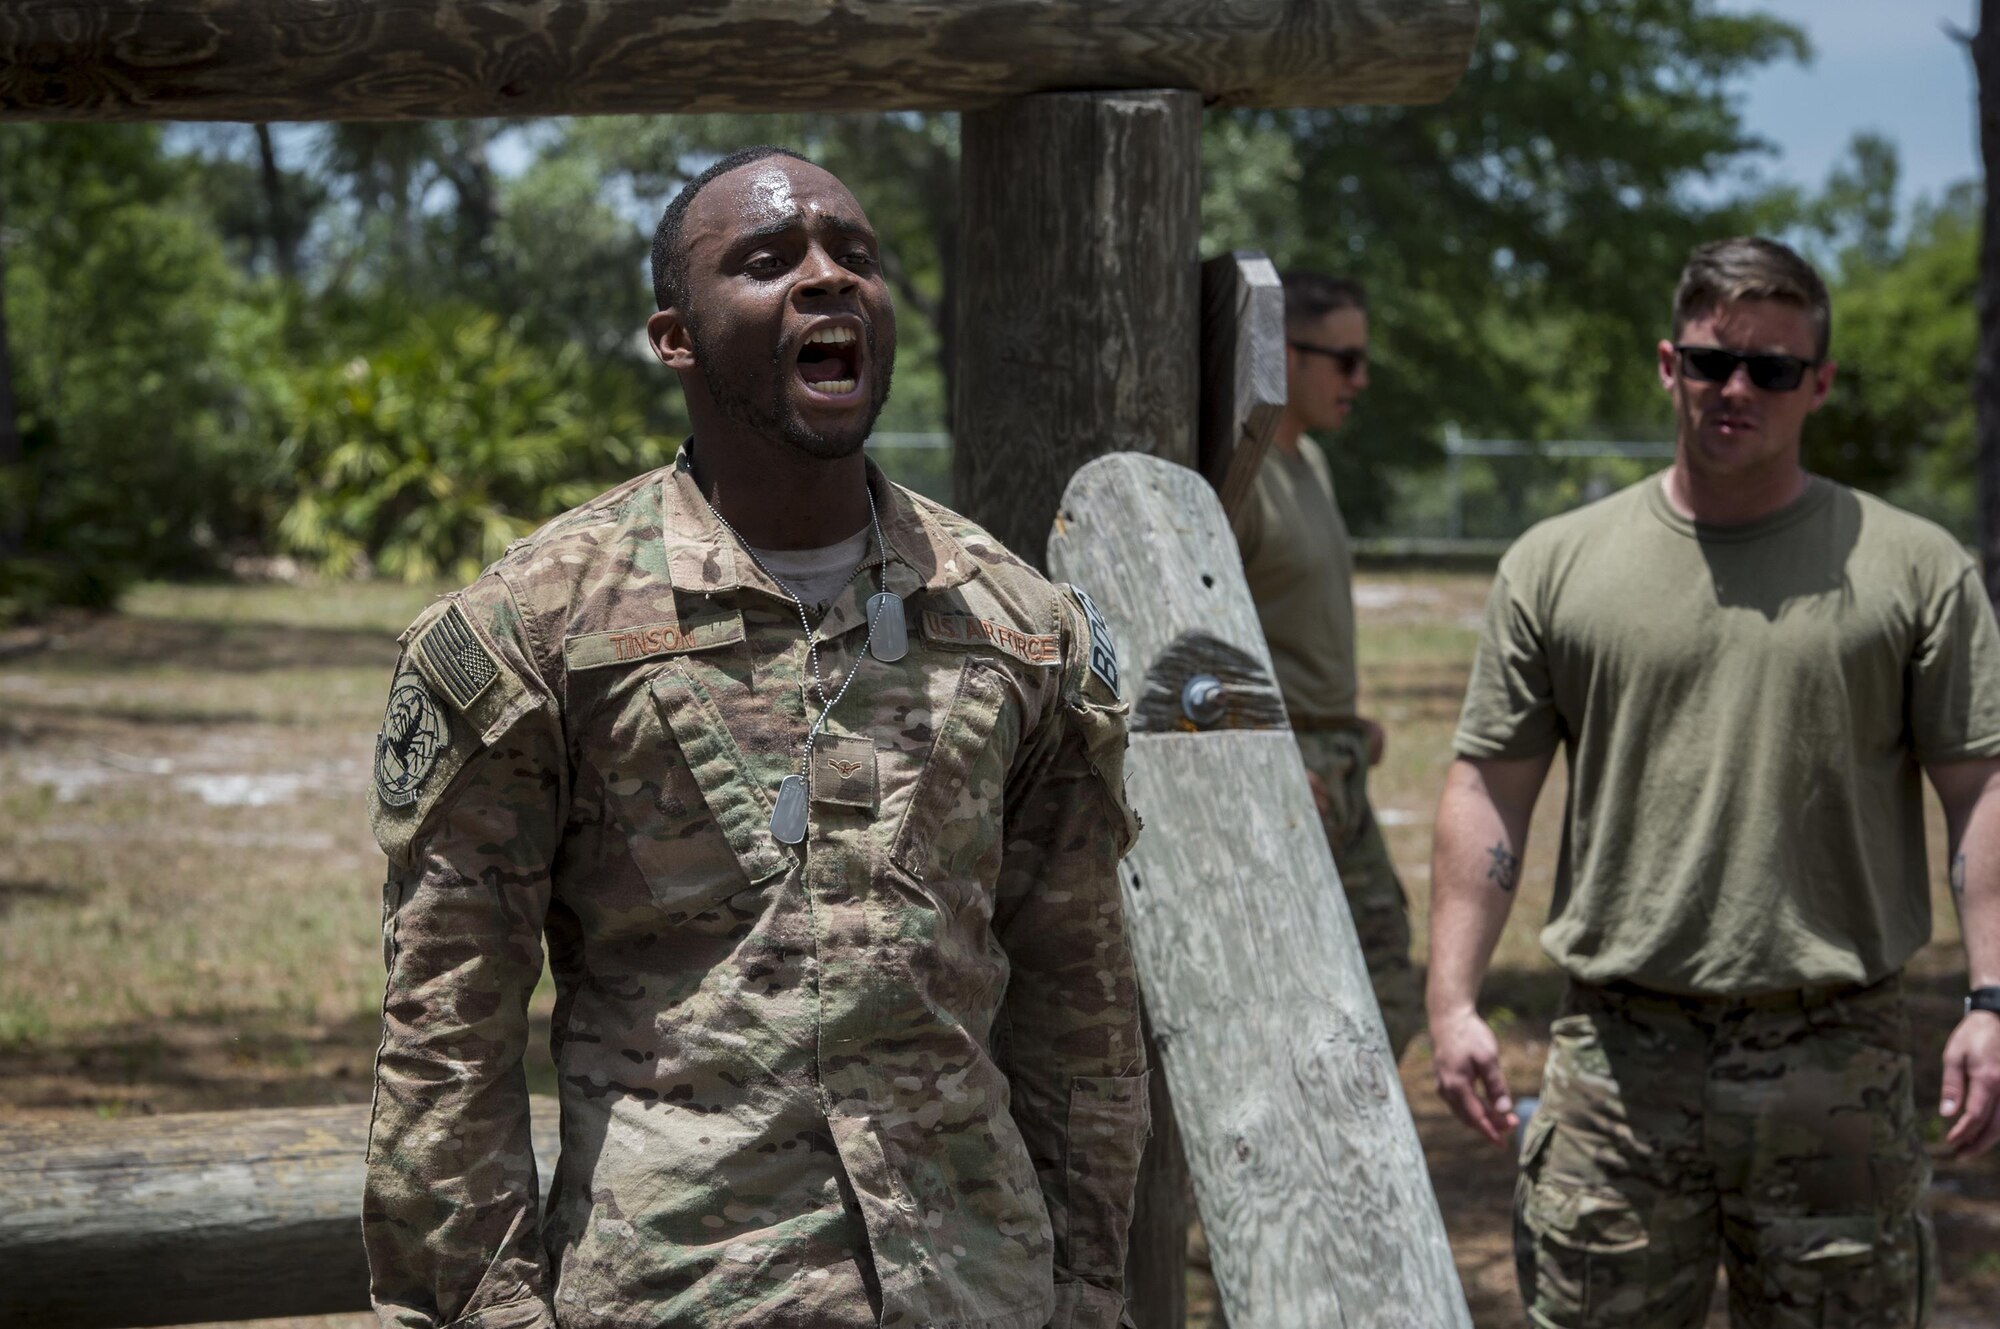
(1749, 267)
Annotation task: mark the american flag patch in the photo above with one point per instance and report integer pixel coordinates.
(455, 658)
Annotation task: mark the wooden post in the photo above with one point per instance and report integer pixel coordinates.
(1311, 1180)
(1078, 331)
(1242, 370)
(460, 59)
(1079, 297)
(192, 1217)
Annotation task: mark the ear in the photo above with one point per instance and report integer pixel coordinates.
(1670, 365)
(667, 333)
(1822, 383)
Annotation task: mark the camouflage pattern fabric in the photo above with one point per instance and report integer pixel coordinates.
(1374, 893)
(1776, 1133)
(892, 1075)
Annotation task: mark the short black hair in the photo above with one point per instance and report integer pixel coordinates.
(669, 258)
(1310, 295)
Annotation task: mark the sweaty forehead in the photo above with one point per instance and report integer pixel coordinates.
(766, 194)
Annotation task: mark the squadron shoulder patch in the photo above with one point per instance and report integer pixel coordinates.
(1103, 655)
(414, 736)
(453, 655)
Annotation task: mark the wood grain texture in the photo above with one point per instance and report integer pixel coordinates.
(1078, 297)
(192, 1217)
(1307, 1168)
(1242, 370)
(452, 59)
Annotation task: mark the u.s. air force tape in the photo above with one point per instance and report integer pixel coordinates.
(453, 655)
(1103, 655)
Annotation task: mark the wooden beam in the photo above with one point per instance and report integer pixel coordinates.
(1310, 1178)
(191, 1217)
(1242, 370)
(1078, 299)
(452, 59)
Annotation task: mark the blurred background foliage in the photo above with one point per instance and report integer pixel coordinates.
(393, 348)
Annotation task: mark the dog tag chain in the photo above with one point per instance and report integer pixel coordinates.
(885, 614)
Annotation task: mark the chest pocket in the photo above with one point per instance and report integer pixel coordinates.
(951, 829)
(740, 803)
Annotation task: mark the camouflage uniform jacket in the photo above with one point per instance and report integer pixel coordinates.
(891, 1075)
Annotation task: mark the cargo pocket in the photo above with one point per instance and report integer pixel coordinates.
(739, 803)
(906, 1266)
(951, 821)
(1581, 1252)
(1840, 1269)
(1109, 1121)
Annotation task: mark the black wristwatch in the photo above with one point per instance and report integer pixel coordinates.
(1983, 999)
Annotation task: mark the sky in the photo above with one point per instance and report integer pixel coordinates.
(1885, 65)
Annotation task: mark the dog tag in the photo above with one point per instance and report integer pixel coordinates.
(891, 639)
(788, 816)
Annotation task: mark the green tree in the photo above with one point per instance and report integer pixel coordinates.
(427, 454)
(1521, 239)
(122, 313)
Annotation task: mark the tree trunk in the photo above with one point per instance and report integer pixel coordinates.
(277, 212)
(13, 488)
(1986, 374)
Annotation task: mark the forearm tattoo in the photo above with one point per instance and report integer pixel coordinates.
(1958, 880)
(1505, 867)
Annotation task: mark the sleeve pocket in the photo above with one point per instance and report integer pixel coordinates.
(1109, 1121)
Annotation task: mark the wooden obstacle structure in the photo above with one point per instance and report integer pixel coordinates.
(1311, 1180)
(1081, 316)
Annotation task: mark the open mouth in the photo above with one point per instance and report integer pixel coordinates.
(830, 361)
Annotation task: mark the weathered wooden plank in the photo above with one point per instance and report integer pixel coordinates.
(190, 1217)
(1242, 370)
(1079, 297)
(450, 59)
(1307, 1168)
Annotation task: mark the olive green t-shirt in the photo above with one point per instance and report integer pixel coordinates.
(1301, 573)
(1744, 710)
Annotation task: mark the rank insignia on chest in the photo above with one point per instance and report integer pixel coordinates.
(843, 771)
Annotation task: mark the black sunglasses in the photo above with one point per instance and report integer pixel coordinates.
(1773, 373)
(1349, 358)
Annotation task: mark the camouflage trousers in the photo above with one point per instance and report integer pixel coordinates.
(1775, 1133)
(1374, 894)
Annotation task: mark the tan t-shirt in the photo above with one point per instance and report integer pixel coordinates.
(1744, 711)
(1301, 574)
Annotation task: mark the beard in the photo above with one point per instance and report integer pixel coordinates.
(761, 403)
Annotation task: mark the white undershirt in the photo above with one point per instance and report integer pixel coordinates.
(817, 575)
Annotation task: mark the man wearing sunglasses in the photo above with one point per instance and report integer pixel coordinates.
(1746, 666)
(1301, 571)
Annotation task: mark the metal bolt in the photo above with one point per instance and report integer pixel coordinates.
(1202, 700)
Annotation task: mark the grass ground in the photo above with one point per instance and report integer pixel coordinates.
(189, 895)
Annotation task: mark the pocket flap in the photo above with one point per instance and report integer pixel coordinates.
(1109, 1120)
(740, 805)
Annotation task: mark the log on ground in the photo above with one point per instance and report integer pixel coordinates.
(190, 1217)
